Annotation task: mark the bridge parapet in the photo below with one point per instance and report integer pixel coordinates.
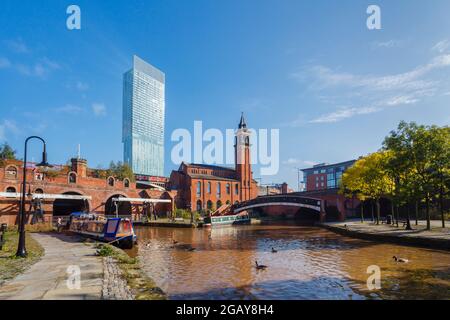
(283, 200)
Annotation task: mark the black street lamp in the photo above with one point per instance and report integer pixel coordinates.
(21, 250)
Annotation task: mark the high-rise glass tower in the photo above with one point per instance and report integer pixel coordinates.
(143, 118)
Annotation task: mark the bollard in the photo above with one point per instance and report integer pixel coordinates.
(3, 228)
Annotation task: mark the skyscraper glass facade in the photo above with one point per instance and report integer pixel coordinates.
(143, 118)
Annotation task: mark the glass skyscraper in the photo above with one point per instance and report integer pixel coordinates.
(143, 118)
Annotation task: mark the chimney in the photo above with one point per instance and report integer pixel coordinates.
(79, 166)
(284, 188)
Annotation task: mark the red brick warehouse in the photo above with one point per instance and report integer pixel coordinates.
(207, 187)
(74, 179)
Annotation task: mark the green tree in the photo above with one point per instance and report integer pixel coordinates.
(7, 153)
(353, 184)
(422, 162)
(368, 179)
(440, 163)
(121, 171)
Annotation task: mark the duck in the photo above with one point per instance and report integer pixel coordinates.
(274, 251)
(260, 266)
(174, 241)
(401, 260)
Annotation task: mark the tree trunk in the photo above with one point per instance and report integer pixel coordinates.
(408, 221)
(427, 201)
(417, 213)
(397, 214)
(392, 212)
(371, 208)
(362, 211)
(378, 211)
(441, 203)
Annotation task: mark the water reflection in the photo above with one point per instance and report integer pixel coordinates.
(311, 263)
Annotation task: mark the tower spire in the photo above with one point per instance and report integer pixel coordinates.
(242, 124)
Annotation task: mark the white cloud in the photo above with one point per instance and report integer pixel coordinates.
(17, 46)
(69, 109)
(4, 63)
(298, 162)
(82, 86)
(99, 109)
(374, 92)
(344, 113)
(387, 44)
(401, 100)
(7, 127)
(441, 46)
(39, 69)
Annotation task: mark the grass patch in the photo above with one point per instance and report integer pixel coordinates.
(142, 286)
(38, 227)
(10, 265)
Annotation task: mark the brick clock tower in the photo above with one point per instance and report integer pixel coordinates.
(242, 160)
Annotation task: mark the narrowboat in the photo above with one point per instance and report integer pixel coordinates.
(226, 220)
(117, 231)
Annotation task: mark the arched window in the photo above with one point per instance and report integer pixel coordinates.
(219, 204)
(236, 202)
(72, 177)
(111, 181)
(236, 189)
(199, 189)
(11, 190)
(218, 190)
(228, 202)
(228, 188)
(39, 191)
(209, 187)
(209, 205)
(11, 172)
(126, 183)
(199, 205)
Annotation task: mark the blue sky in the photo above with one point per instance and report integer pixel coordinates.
(309, 68)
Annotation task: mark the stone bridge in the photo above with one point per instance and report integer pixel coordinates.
(286, 206)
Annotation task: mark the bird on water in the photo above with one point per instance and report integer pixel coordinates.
(260, 266)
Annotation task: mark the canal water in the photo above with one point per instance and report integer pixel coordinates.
(310, 263)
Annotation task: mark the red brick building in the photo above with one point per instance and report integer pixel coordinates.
(322, 182)
(207, 187)
(73, 180)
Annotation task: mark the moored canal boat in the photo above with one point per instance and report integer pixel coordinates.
(234, 219)
(117, 231)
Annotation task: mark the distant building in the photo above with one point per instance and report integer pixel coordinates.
(207, 187)
(325, 176)
(273, 189)
(322, 182)
(143, 118)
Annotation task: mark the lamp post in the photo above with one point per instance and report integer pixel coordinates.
(21, 250)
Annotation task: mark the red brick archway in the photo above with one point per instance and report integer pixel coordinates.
(64, 207)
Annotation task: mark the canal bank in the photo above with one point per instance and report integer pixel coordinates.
(437, 238)
(72, 268)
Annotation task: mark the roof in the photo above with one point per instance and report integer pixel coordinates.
(211, 177)
(209, 166)
(349, 162)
